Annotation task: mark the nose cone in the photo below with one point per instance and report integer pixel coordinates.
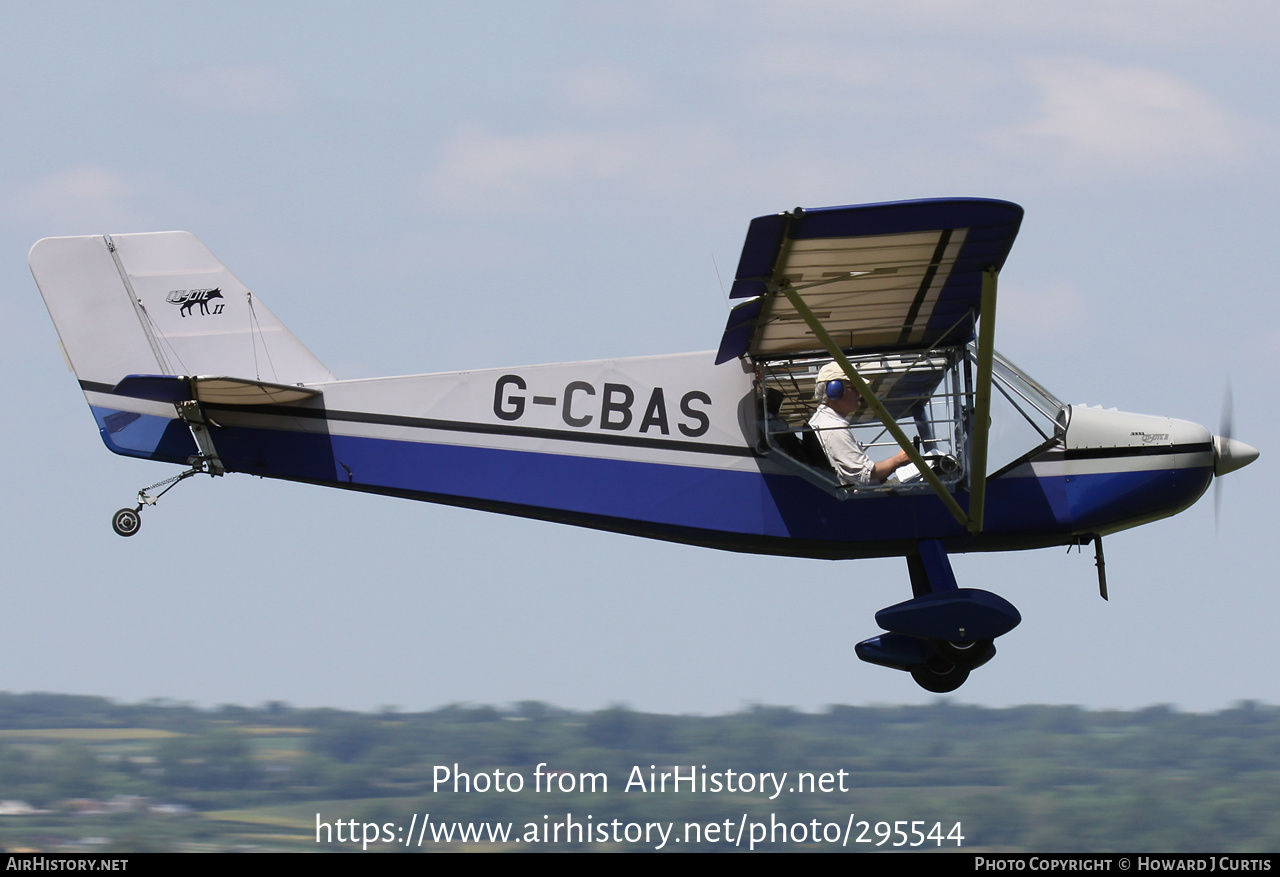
(1230, 455)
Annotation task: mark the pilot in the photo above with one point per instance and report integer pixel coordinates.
(831, 424)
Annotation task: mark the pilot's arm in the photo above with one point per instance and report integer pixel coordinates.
(882, 470)
(847, 457)
(831, 422)
(851, 462)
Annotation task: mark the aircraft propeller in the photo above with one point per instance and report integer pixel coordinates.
(1228, 453)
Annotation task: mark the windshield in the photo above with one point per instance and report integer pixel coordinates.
(1029, 388)
(1024, 415)
(929, 393)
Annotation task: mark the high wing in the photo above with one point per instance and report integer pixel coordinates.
(900, 276)
(896, 278)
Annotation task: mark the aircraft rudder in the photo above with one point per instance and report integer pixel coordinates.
(161, 303)
(157, 303)
(97, 324)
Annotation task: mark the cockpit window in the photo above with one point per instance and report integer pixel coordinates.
(923, 392)
(930, 395)
(1026, 387)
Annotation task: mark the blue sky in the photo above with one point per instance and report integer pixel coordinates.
(418, 187)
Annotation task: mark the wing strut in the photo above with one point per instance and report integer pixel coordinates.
(982, 403)
(869, 397)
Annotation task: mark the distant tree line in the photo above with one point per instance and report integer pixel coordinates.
(1025, 778)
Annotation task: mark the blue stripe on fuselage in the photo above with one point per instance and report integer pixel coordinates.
(144, 435)
(699, 499)
(685, 503)
(1106, 500)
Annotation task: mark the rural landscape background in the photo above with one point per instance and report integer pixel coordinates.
(84, 774)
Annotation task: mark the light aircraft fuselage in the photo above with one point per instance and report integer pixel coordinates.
(666, 447)
(182, 364)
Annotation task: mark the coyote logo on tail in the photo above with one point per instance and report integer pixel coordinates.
(189, 298)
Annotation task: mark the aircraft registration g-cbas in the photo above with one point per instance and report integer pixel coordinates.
(786, 441)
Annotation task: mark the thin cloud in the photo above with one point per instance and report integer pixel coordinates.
(479, 166)
(512, 173)
(1250, 23)
(1039, 312)
(75, 201)
(1109, 118)
(251, 89)
(604, 88)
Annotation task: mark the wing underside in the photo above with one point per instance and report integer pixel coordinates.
(896, 277)
(904, 279)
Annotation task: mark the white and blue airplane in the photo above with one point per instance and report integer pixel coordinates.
(182, 364)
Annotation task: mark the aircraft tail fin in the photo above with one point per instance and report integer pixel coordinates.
(161, 304)
(149, 320)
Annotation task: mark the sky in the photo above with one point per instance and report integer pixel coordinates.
(423, 187)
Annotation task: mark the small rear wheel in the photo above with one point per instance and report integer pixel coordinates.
(126, 522)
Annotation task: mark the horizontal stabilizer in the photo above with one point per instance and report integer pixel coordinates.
(215, 390)
(239, 391)
(157, 388)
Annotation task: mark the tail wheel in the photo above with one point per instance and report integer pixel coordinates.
(126, 522)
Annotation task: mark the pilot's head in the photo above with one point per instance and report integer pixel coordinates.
(833, 386)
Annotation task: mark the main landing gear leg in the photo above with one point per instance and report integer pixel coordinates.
(943, 632)
(127, 522)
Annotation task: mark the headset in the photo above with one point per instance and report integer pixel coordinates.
(835, 389)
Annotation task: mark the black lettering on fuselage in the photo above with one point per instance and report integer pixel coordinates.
(566, 410)
(617, 404)
(508, 407)
(655, 413)
(609, 406)
(703, 422)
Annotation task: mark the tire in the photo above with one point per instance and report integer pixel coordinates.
(939, 682)
(126, 522)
